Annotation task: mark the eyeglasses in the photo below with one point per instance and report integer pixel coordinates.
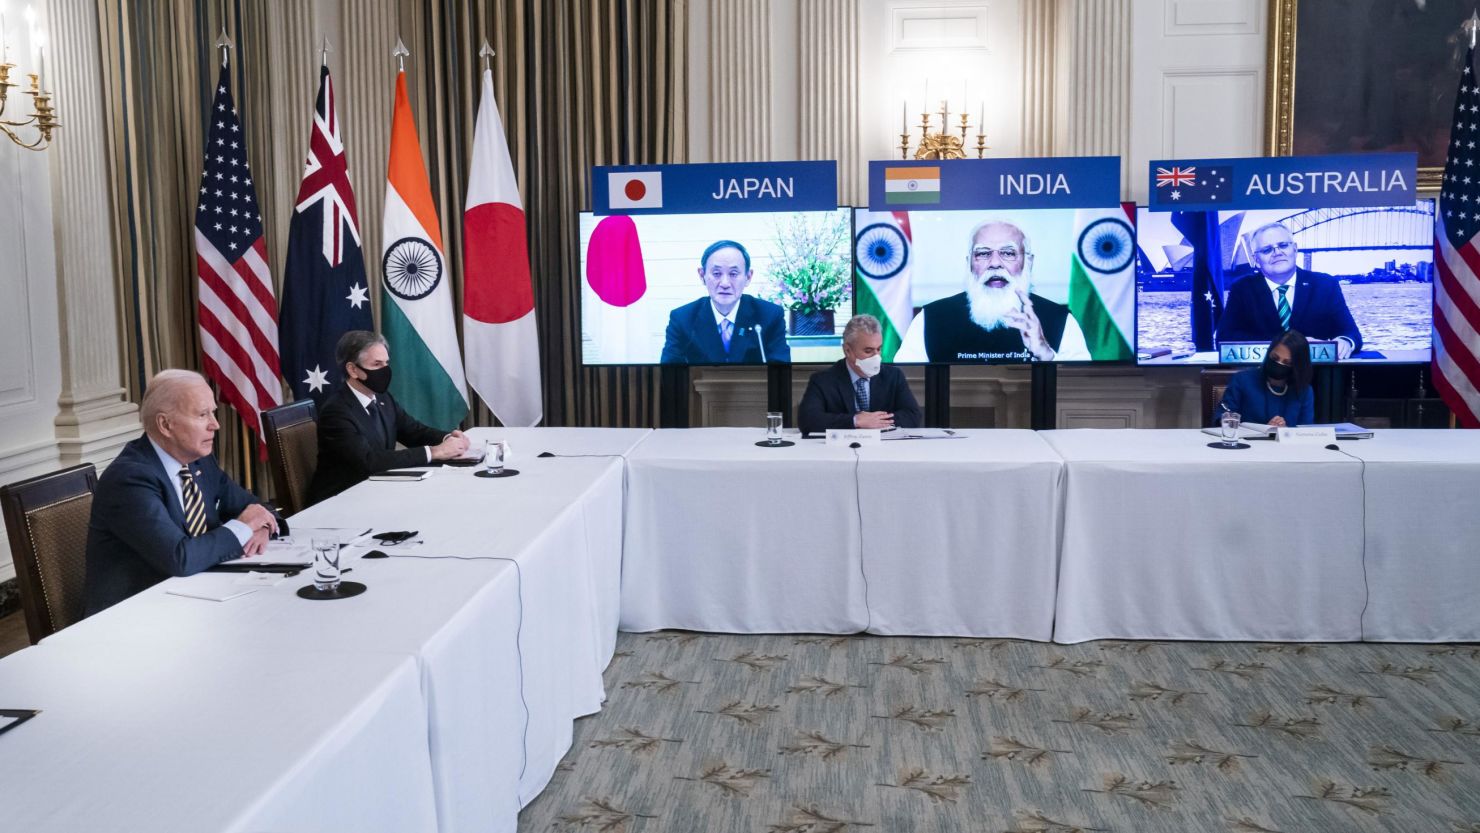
(1008, 255)
(1266, 251)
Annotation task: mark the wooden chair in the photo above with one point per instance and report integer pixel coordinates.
(1212, 381)
(46, 519)
(293, 452)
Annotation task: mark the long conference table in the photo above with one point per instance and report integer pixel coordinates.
(443, 698)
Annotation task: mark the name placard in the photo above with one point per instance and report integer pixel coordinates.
(966, 184)
(1252, 352)
(719, 188)
(1350, 180)
(1312, 435)
(846, 437)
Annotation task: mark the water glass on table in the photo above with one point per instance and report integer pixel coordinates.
(326, 564)
(493, 456)
(1228, 427)
(773, 427)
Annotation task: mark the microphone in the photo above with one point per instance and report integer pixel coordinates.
(545, 454)
(1332, 447)
(855, 444)
(761, 339)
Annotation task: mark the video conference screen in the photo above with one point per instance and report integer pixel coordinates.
(1357, 282)
(714, 289)
(993, 287)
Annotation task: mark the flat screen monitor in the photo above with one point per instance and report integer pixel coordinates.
(999, 287)
(715, 289)
(1359, 283)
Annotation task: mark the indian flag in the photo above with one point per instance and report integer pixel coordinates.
(912, 185)
(1102, 282)
(416, 308)
(881, 254)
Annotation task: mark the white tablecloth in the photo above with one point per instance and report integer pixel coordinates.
(1165, 538)
(510, 651)
(198, 738)
(1423, 535)
(959, 536)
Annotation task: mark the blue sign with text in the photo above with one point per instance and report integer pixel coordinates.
(714, 188)
(1349, 180)
(1252, 352)
(967, 184)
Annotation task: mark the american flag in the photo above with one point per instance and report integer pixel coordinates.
(237, 309)
(325, 292)
(1456, 368)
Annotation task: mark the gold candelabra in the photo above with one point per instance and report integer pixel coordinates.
(942, 144)
(43, 116)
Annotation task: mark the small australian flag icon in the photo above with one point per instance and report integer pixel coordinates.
(1193, 184)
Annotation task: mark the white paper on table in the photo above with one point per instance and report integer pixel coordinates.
(297, 548)
(219, 587)
(923, 434)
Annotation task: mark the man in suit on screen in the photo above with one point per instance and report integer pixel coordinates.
(727, 326)
(361, 422)
(1285, 297)
(163, 507)
(858, 391)
(998, 318)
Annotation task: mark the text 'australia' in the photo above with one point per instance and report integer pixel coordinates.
(1327, 182)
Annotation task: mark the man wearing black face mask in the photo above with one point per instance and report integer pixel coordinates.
(361, 423)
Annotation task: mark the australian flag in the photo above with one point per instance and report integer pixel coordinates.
(325, 292)
(1192, 185)
(1201, 231)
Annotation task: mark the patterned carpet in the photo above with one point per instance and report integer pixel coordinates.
(787, 734)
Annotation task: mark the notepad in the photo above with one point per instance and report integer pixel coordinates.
(402, 475)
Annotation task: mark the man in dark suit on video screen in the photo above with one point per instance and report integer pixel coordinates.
(1285, 297)
(726, 326)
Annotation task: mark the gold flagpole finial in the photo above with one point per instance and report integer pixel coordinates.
(400, 53)
(485, 53)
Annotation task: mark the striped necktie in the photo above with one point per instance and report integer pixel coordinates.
(724, 333)
(1284, 307)
(195, 505)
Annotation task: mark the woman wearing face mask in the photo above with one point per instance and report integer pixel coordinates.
(860, 391)
(1277, 393)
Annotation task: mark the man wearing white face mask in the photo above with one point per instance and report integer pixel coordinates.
(858, 391)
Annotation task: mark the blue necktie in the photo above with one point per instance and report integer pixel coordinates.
(1284, 307)
(724, 333)
(860, 394)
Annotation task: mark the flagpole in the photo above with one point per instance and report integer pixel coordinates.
(224, 44)
(324, 54)
(400, 53)
(485, 53)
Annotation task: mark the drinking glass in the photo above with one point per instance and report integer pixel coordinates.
(1228, 427)
(773, 427)
(493, 456)
(326, 564)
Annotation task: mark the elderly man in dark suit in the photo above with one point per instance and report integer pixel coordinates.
(727, 326)
(1284, 297)
(858, 391)
(361, 422)
(163, 507)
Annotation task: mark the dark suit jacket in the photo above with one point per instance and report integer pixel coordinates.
(829, 402)
(137, 537)
(351, 450)
(1248, 396)
(693, 338)
(1319, 311)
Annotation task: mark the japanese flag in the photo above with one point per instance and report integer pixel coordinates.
(634, 190)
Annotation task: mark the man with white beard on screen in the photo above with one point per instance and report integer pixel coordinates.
(997, 318)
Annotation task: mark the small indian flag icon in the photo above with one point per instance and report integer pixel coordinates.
(911, 186)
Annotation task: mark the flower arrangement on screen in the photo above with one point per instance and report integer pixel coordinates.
(810, 273)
